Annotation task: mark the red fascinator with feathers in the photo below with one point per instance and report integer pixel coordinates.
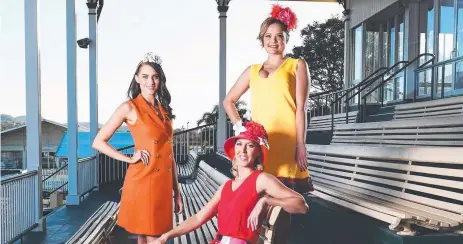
(252, 131)
(285, 15)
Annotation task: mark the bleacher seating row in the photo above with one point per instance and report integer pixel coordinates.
(396, 185)
(97, 229)
(436, 108)
(408, 171)
(440, 108)
(320, 123)
(186, 168)
(420, 132)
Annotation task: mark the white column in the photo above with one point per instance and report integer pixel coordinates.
(222, 122)
(73, 194)
(33, 105)
(93, 71)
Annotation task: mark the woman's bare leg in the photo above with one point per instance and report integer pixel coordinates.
(151, 239)
(141, 240)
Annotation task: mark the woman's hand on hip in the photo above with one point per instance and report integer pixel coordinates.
(301, 158)
(142, 155)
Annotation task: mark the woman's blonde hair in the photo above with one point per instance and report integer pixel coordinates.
(264, 26)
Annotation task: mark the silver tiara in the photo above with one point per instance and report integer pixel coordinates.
(153, 58)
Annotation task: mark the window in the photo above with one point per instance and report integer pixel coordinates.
(358, 53)
(372, 60)
(459, 28)
(426, 26)
(12, 160)
(446, 29)
(392, 45)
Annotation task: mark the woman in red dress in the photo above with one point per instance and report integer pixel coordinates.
(239, 202)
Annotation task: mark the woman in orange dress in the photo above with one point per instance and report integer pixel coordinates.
(279, 91)
(151, 179)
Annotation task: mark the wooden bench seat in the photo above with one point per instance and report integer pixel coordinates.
(321, 123)
(98, 227)
(445, 107)
(195, 196)
(399, 186)
(187, 168)
(417, 132)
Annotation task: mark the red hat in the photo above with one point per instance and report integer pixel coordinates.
(252, 131)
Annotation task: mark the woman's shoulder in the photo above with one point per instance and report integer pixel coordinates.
(127, 106)
(265, 178)
(294, 64)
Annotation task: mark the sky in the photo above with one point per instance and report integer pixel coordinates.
(184, 33)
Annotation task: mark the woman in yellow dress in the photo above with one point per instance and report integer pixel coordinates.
(279, 91)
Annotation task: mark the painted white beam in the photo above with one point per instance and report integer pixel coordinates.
(33, 104)
(93, 70)
(93, 73)
(222, 121)
(73, 194)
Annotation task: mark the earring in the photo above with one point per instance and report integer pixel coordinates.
(234, 170)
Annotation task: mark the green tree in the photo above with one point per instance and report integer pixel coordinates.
(212, 116)
(323, 50)
(209, 133)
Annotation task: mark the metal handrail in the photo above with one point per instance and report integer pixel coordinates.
(407, 64)
(325, 93)
(19, 176)
(439, 64)
(376, 78)
(192, 129)
(433, 80)
(54, 173)
(332, 93)
(383, 81)
(367, 81)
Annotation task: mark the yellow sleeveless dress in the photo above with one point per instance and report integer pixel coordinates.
(273, 104)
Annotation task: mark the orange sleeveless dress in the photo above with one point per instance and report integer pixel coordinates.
(273, 104)
(146, 206)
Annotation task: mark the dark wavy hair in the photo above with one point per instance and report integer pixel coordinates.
(163, 94)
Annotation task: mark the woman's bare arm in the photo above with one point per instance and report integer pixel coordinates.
(238, 89)
(195, 221)
(302, 94)
(122, 114)
(280, 195)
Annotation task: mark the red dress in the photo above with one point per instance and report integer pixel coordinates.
(234, 209)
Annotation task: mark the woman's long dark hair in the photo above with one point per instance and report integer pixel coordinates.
(162, 93)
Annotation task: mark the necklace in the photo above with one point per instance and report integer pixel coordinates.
(156, 109)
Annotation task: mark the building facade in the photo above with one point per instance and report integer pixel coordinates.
(384, 33)
(13, 152)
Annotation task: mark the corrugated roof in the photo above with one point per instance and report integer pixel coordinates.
(24, 126)
(118, 140)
